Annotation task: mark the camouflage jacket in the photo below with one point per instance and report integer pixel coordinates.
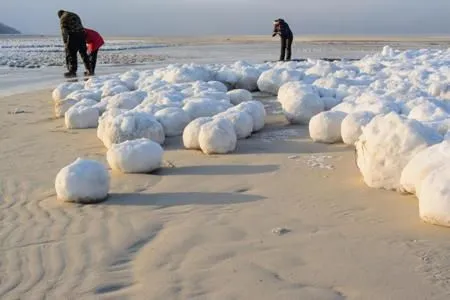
(70, 23)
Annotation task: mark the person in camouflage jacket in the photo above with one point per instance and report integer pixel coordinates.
(281, 28)
(74, 39)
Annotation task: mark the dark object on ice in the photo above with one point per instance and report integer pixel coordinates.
(4, 29)
(74, 38)
(324, 59)
(281, 28)
(70, 74)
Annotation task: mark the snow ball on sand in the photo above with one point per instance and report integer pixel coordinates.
(351, 127)
(241, 120)
(136, 156)
(62, 106)
(434, 197)
(205, 107)
(256, 110)
(217, 137)
(239, 95)
(300, 102)
(422, 164)
(81, 117)
(83, 181)
(130, 125)
(325, 127)
(271, 80)
(173, 120)
(386, 146)
(192, 131)
(65, 89)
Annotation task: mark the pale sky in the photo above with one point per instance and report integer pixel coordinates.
(203, 17)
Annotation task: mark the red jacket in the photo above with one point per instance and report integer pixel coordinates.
(93, 40)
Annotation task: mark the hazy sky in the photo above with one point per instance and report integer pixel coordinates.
(199, 17)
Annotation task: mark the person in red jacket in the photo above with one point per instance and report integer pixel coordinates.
(93, 41)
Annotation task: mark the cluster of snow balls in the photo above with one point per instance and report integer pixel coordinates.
(387, 144)
(238, 96)
(325, 127)
(83, 181)
(135, 156)
(300, 102)
(270, 81)
(223, 130)
(173, 120)
(205, 107)
(116, 128)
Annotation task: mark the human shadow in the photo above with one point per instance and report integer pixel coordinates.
(179, 199)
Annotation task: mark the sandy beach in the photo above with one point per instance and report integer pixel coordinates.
(281, 218)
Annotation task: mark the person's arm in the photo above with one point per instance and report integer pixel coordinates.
(276, 30)
(65, 26)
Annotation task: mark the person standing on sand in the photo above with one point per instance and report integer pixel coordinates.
(74, 39)
(94, 41)
(281, 28)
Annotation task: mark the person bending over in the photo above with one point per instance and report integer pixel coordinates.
(94, 41)
(282, 29)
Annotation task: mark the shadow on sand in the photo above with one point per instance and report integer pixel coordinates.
(218, 170)
(177, 199)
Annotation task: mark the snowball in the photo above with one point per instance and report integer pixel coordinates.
(83, 181)
(217, 137)
(256, 110)
(218, 86)
(351, 127)
(241, 120)
(204, 107)
(299, 102)
(434, 197)
(85, 94)
(387, 144)
(238, 96)
(136, 156)
(62, 106)
(173, 120)
(271, 80)
(111, 90)
(80, 117)
(192, 131)
(65, 89)
(325, 127)
(126, 100)
(428, 111)
(131, 125)
(422, 164)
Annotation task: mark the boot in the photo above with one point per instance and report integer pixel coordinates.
(70, 74)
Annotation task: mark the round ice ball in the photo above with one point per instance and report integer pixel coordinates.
(351, 127)
(241, 120)
(256, 110)
(325, 127)
(83, 181)
(135, 156)
(192, 131)
(239, 95)
(217, 137)
(173, 120)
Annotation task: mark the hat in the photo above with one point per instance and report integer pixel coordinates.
(60, 13)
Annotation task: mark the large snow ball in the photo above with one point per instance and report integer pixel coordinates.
(136, 156)
(65, 89)
(422, 164)
(256, 110)
(387, 144)
(428, 111)
(86, 94)
(247, 76)
(270, 81)
(227, 76)
(241, 120)
(62, 106)
(204, 107)
(325, 127)
(351, 127)
(299, 102)
(173, 120)
(114, 88)
(83, 181)
(187, 73)
(434, 197)
(126, 100)
(218, 86)
(239, 95)
(80, 117)
(131, 125)
(217, 137)
(212, 94)
(192, 131)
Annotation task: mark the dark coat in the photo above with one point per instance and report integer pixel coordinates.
(282, 28)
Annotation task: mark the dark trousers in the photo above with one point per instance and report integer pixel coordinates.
(93, 60)
(286, 48)
(76, 43)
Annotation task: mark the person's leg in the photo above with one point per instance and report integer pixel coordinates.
(72, 49)
(289, 48)
(83, 51)
(94, 61)
(283, 48)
